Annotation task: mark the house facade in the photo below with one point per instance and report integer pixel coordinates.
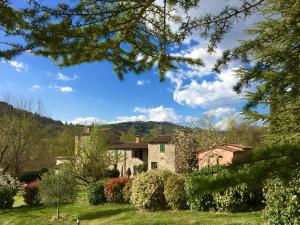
(221, 155)
(162, 154)
(130, 155)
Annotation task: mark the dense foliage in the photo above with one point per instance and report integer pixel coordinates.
(240, 198)
(111, 173)
(174, 192)
(31, 193)
(197, 198)
(148, 190)
(95, 193)
(282, 201)
(127, 192)
(30, 176)
(114, 189)
(8, 189)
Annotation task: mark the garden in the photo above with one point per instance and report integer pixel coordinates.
(254, 190)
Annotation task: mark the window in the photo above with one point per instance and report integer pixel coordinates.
(162, 148)
(153, 165)
(137, 154)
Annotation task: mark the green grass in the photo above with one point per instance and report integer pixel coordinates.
(113, 214)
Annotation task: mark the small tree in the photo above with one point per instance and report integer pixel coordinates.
(58, 188)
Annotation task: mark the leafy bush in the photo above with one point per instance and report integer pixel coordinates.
(8, 189)
(31, 176)
(282, 201)
(127, 191)
(31, 193)
(95, 193)
(141, 168)
(114, 189)
(148, 190)
(174, 192)
(112, 173)
(197, 198)
(239, 199)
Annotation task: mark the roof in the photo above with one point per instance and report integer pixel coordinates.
(164, 138)
(229, 147)
(129, 146)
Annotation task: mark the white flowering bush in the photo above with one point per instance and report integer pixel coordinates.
(282, 202)
(8, 189)
(148, 190)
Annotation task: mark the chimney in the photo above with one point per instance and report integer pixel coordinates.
(137, 139)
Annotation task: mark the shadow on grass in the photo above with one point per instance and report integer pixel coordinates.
(103, 213)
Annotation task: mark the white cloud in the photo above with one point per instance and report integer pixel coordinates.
(221, 111)
(140, 82)
(87, 120)
(207, 93)
(64, 89)
(222, 124)
(63, 77)
(35, 87)
(19, 66)
(122, 119)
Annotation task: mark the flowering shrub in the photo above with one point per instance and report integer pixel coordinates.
(31, 193)
(127, 191)
(148, 190)
(282, 202)
(174, 192)
(95, 193)
(8, 189)
(114, 189)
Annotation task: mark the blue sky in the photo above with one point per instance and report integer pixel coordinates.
(92, 92)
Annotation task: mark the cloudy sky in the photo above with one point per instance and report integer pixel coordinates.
(92, 92)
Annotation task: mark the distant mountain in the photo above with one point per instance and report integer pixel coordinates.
(143, 128)
(6, 109)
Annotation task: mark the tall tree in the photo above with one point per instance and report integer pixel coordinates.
(92, 156)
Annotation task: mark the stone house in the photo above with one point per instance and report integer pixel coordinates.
(221, 155)
(130, 155)
(162, 153)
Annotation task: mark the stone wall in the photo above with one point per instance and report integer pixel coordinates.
(165, 160)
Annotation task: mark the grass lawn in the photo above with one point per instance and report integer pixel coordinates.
(113, 214)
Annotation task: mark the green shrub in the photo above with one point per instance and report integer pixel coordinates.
(113, 189)
(95, 193)
(148, 190)
(127, 191)
(174, 192)
(240, 198)
(31, 193)
(141, 168)
(198, 199)
(114, 173)
(8, 189)
(30, 176)
(282, 202)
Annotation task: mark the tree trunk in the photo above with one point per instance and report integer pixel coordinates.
(57, 212)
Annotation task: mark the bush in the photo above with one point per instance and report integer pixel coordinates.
(141, 168)
(127, 191)
(8, 189)
(197, 198)
(282, 201)
(114, 189)
(112, 173)
(95, 193)
(148, 190)
(239, 199)
(31, 193)
(30, 176)
(174, 192)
